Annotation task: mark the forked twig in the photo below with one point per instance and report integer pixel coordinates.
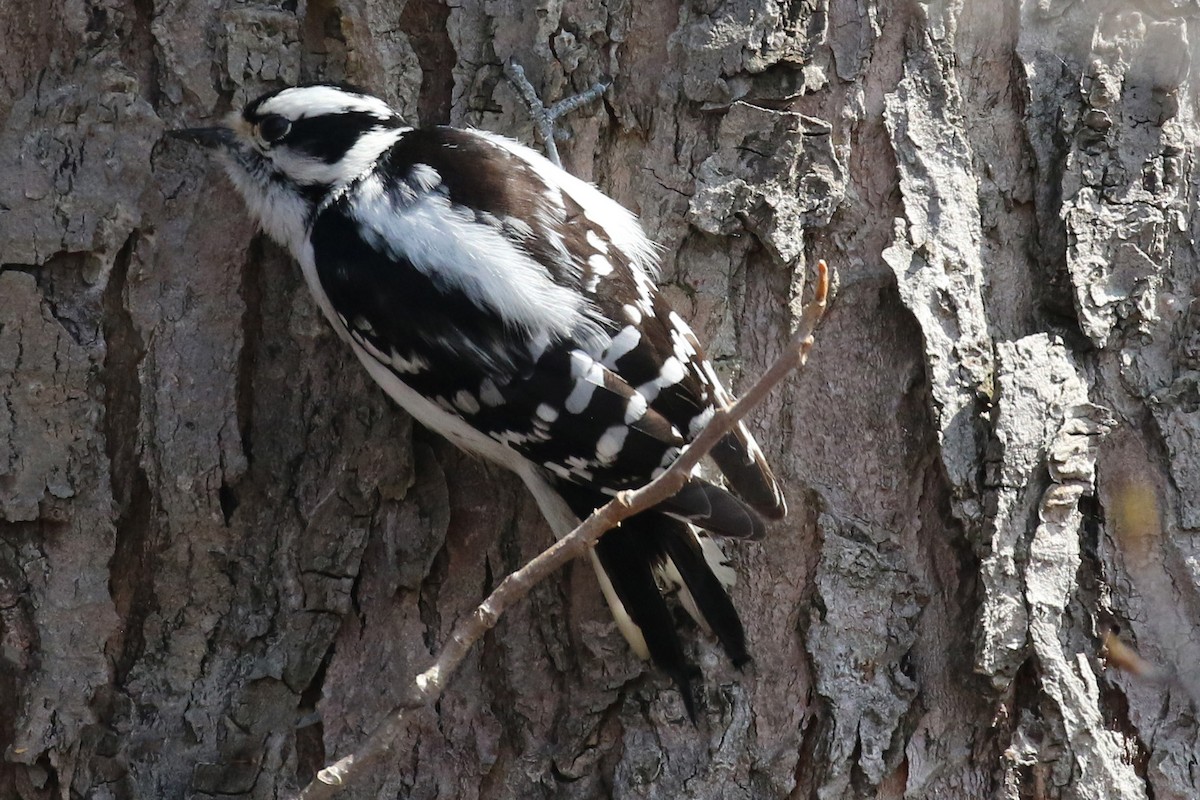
(429, 685)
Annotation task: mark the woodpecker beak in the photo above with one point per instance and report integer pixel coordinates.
(212, 138)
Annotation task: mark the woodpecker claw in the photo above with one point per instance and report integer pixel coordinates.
(544, 118)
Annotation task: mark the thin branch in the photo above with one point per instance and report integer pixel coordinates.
(428, 686)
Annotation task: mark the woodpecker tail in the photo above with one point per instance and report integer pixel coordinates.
(747, 471)
(715, 510)
(658, 551)
(650, 553)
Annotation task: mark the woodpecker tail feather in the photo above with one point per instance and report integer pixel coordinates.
(650, 553)
(655, 552)
(747, 471)
(714, 509)
(703, 578)
(625, 559)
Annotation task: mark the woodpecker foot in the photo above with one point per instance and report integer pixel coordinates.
(544, 118)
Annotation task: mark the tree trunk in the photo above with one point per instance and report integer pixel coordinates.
(223, 552)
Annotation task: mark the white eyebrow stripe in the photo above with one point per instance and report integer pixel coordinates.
(314, 101)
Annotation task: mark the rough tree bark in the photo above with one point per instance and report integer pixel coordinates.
(222, 552)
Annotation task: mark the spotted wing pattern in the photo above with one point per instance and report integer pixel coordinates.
(608, 404)
(521, 301)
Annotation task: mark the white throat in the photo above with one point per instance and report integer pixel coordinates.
(282, 213)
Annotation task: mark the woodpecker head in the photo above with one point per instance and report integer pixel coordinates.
(288, 149)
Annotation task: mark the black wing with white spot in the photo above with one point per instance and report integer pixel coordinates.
(519, 300)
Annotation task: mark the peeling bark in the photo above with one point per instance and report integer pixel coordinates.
(222, 552)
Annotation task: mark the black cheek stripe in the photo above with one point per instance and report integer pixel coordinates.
(330, 136)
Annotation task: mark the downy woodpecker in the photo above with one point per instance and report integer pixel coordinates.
(511, 308)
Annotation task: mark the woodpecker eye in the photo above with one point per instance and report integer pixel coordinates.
(272, 128)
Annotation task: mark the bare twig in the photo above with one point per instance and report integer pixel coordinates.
(544, 118)
(428, 686)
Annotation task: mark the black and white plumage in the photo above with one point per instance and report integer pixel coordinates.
(511, 307)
